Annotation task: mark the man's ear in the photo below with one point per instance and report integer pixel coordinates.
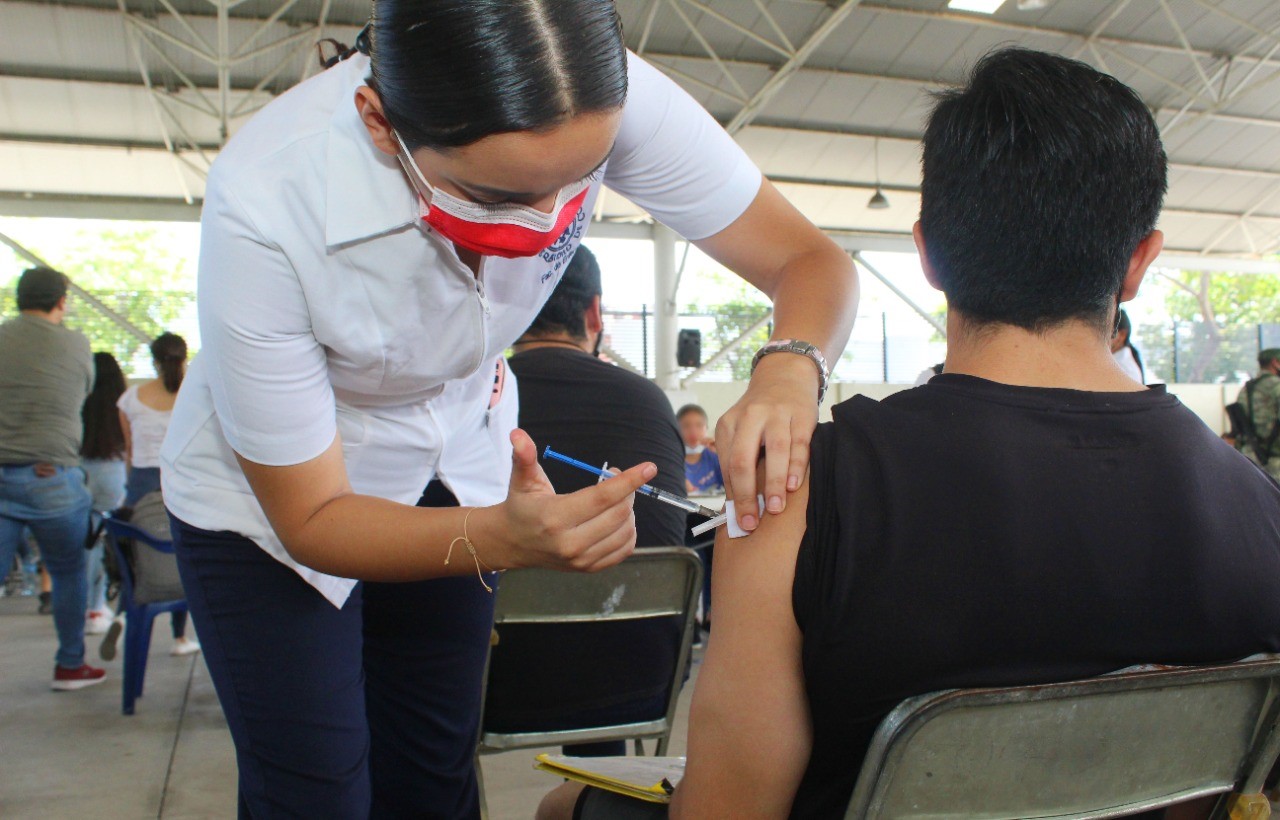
(593, 317)
(930, 275)
(369, 104)
(1143, 255)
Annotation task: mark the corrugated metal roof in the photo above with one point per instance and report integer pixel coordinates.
(76, 117)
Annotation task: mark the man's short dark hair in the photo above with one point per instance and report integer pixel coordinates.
(41, 289)
(563, 312)
(1041, 176)
(1266, 357)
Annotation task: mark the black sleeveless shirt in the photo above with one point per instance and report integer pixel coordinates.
(967, 533)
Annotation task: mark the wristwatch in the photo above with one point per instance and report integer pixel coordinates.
(802, 348)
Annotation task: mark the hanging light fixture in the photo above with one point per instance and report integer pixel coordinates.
(878, 201)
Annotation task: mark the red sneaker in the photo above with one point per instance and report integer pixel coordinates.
(68, 680)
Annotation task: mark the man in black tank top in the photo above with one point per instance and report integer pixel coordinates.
(1030, 515)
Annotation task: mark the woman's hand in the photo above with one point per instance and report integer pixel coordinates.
(778, 412)
(585, 531)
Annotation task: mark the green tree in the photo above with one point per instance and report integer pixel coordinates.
(1217, 316)
(130, 269)
(733, 318)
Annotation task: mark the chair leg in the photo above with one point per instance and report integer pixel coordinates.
(639, 747)
(146, 621)
(133, 627)
(663, 743)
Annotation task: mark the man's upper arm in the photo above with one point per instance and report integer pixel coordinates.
(749, 734)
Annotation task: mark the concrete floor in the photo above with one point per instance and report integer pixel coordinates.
(72, 754)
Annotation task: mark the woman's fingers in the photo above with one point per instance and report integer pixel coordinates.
(587, 503)
(743, 454)
(801, 438)
(777, 461)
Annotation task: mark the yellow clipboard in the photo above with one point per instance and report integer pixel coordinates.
(652, 779)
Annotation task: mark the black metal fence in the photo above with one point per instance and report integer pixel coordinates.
(883, 348)
(1199, 353)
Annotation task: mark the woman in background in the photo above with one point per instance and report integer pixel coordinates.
(145, 410)
(102, 455)
(1125, 354)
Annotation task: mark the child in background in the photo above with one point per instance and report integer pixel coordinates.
(701, 464)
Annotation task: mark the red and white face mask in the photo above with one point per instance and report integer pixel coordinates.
(506, 229)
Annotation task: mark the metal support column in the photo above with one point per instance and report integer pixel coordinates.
(666, 322)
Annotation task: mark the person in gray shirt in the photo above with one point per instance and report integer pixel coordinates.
(46, 372)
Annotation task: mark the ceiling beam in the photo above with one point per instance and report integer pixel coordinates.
(793, 64)
(300, 17)
(914, 139)
(915, 189)
(1082, 36)
(128, 78)
(95, 142)
(75, 206)
(920, 83)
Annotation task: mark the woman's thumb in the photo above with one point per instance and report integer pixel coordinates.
(526, 474)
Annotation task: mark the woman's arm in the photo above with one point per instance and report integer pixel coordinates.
(749, 729)
(814, 288)
(128, 440)
(323, 524)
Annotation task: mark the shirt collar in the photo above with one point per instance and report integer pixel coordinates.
(367, 192)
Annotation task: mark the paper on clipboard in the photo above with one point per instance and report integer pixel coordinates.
(652, 779)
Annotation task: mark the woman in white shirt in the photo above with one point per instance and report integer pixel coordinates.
(145, 412)
(372, 241)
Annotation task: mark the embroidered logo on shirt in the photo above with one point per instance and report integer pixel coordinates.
(562, 250)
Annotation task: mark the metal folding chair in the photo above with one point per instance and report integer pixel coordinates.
(654, 583)
(138, 617)
(1104, 747)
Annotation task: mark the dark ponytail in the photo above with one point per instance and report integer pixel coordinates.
(451, 72)
(170, 353)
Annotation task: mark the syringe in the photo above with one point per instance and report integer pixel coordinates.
(644, 489)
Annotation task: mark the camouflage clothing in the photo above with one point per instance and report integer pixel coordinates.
(1264, 412)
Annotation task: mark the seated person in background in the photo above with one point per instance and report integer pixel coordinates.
(1126, 355)
(701, 462)
(1259, 400)
(597, 412)
(965, 533)
(701, 475)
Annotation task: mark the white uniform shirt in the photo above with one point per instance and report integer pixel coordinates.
(147, 427)
(327, 305)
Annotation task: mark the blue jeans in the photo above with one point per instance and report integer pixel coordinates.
(106, 480)
(56, 510)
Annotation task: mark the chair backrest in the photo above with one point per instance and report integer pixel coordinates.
(150, 573)
(1103, 747)
(658, 586)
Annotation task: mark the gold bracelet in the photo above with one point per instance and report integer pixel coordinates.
(471, 548)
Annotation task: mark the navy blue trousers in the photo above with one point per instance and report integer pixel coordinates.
(366, 711)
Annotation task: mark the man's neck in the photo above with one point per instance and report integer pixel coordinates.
(53, 318)
(1073, 356)
(535, 342)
